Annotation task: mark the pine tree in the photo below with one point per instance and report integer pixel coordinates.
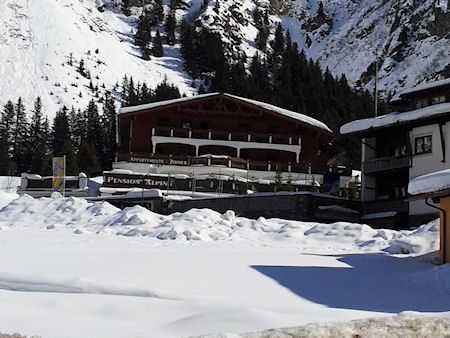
(7, 165)
(133, 97)
(278, 45)
(109, 125)
(7, 124)
(37, 138)
(156, 14)
(71, 159)
(170, 26)
(126, 7)
(166, 91)
(82, 69)
(146, 95)
(188, 38)
(95, 133)
(263, 24)
(20, 142)
(60, 132)
(143, 36)
(157, 49)
(88, 160)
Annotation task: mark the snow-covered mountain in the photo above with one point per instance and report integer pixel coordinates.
(42, 43)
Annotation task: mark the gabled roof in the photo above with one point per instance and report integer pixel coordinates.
(421, 88)
(421, 115)
(284, 112)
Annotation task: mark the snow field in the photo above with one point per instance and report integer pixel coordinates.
(73, 268)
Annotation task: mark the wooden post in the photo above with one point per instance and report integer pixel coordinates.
(445, 241)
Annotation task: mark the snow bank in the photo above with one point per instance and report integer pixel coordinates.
(430, 183)
(80, 216)
(6, 198)
(424, 239)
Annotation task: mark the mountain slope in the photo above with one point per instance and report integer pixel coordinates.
(42, 43)
(411, 39)
(39, 38)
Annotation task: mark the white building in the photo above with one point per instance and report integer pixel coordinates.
(398, 147)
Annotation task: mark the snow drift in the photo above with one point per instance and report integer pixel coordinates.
(79, 216)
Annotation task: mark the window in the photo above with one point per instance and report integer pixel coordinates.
(400, 151)
(421, 103)
(186, 124)
(422, 145)
(438, 99)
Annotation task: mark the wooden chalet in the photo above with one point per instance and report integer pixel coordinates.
(219, 137)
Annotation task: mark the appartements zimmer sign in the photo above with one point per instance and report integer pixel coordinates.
(169, 161)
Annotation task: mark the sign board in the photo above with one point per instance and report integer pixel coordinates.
(134, 181)
(168, 161)
(59, 171)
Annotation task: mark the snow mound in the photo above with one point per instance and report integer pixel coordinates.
(50, 213)
(424, 239)
(79, 216)
(6, 198)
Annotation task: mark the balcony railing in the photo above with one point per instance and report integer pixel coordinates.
(226, 135)
(385, 164)
(231, 162)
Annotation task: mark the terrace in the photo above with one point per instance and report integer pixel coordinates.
(231, 162)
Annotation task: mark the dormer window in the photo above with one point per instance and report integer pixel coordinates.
(438, 99)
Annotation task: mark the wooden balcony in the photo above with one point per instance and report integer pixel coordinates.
(226, 135)
(230, 162)
(385, 164)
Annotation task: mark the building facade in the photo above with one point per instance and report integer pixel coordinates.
(398, 147)
(220, 136)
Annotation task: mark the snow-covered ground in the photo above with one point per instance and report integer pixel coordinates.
(69, 268)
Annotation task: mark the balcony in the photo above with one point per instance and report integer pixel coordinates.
(230, 162)
(221, 135)
(385, 164)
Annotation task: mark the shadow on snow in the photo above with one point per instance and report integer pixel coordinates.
(372, 282)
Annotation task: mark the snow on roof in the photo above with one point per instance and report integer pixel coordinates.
(378, 215)
(429, 183)
(424, 86)
(395, 118)
(275, 109)
(162, 103)
(285, 112)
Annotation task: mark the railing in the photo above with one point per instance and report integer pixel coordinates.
(225, 135)
(385, 164)
(231, 162)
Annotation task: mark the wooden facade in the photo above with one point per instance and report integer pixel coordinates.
(220, 143)
(261, 134)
